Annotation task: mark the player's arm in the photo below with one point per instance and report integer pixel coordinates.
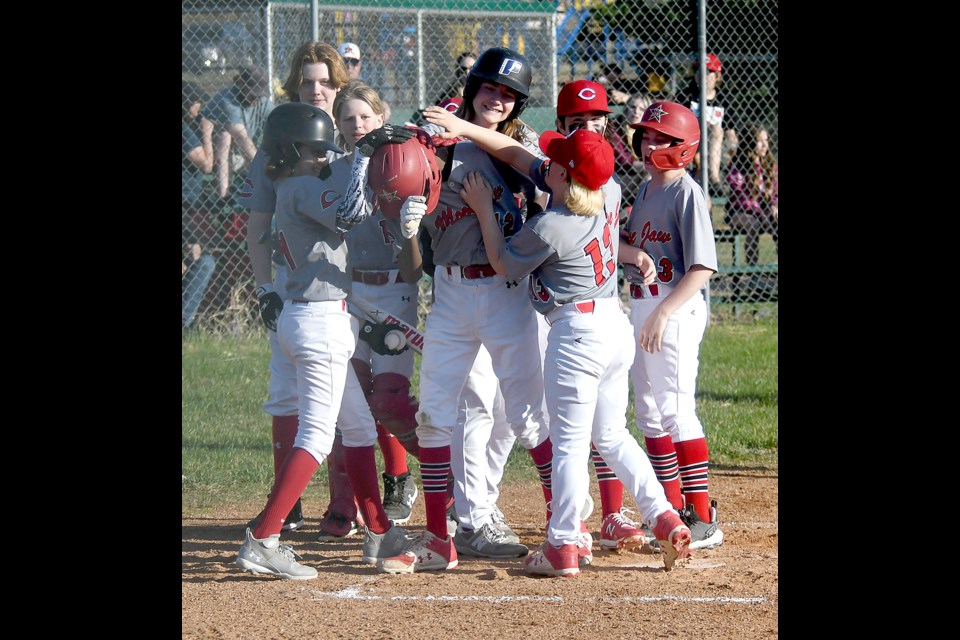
(500, 146)
(629, 254)
(354, 206)
(258, 246)
(716, 152)
(650, 337)
(410, 259)
(478, 194)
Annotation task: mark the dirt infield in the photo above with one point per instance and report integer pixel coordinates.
(728, 593)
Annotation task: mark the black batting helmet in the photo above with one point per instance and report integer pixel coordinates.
(293, 123)
(503, 66)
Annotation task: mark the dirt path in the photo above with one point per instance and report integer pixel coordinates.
(728, 593)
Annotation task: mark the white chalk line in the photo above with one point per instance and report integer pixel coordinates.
(353, 593)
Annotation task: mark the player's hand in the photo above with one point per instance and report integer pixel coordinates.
(477, 192)
(387, 134)
(646, 266)
(650, 338)
(411, 212)
(374, 334)
(423, 137)
(451, 123)
(270, 305)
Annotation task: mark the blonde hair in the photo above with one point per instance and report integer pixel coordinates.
(355, 90)
(583, 200)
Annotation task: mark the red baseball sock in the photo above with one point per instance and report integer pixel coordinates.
(284, 434)
(694, 462)
(342, 499)
(611, 489)
(542, 455)
(361, 466)
(434, 469)
(294, 475)
(663, 457)
(394, 455)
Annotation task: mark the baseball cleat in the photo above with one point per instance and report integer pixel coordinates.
(268, 556)
(429, 553)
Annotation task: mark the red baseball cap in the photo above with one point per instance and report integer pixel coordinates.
(451, 104)
(581, 96)
(713, 63)
(585, 154)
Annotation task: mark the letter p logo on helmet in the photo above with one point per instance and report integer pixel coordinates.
(510, 66)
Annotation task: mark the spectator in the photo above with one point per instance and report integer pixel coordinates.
(754, 205)
(197, 159)
(629, 168)
(238, 113)
(619, 87)
(351, 59)
(454, 88)
(721, 122)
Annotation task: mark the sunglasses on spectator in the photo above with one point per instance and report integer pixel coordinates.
(351, 62)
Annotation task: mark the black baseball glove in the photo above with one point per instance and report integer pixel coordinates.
(388, 133)
(374, 333)
(271, 304)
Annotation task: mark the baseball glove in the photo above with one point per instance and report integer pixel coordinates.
(374, 334)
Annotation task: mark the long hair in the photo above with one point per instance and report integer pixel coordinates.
(583, 200)
(355, 90)
(310, 53)
(760, 172)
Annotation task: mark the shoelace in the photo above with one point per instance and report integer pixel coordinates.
(622, 518)
(497, 517)
(287, 552)
(493, 534)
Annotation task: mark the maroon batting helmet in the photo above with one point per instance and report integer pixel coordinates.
(398, 171)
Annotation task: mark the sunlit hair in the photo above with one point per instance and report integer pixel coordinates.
(583, 200)
(355, 90)
(310, 53)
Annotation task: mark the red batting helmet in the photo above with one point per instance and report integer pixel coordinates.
(676, 121)
(398, 171)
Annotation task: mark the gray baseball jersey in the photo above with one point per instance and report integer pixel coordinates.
(375, 243)
(314, 249)
(572, 257)
(612, 191)
(673, 225)
(453, 228)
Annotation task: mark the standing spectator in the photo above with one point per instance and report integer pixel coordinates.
(238, 113)
(721, 121)
(629, 168)
(350, 53)
(197, 159)
(619, 87)
(454, 89)
(754, 205)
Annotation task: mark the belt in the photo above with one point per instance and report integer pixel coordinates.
(636, 291)
(572, 308)
(375, 277)
(343, 303)
(474, 271)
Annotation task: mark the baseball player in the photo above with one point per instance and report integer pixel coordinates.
(316, 76)
(569, 251)
(315, 329)
(581, 104)
(474, 306)
(671, 222)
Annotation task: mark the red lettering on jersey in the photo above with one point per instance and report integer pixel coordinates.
(328, 197)
(447, 216)
(497, 192)
(285, 250)
(652, 235)
(538, 291)
(388, 236)
(247, 182)
(632, 237)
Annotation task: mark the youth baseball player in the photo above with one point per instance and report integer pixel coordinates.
(671, 222)
(315, 329)
(473, 305)
(570, 253)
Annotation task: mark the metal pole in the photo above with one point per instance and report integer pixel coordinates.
(314, 20)
(704, 138)
(421, 75)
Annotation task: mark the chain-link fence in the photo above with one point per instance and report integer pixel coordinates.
(236, 52)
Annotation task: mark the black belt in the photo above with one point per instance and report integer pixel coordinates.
(374, 277)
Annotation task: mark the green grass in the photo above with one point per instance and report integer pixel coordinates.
(225, 441)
